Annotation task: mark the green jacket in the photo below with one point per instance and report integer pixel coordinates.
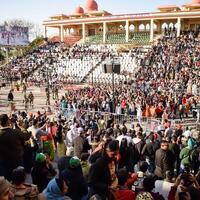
(188, 156)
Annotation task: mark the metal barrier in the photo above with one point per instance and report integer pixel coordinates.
(148, 123)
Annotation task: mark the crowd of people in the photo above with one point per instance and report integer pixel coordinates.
(93, 157)
(165, 85)
(22, 67)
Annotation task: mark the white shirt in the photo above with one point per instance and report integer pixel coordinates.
(187, 134)
(33, 131)
(163, 187)
(128, 138)
(69, 138)
(139, 112)
(118, 110)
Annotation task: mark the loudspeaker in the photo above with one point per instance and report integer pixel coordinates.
(107, 68)
(111, 68)
(116, 68)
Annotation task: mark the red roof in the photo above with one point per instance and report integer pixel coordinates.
(91, 5)
(79, 10)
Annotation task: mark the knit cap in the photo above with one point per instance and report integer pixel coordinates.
(40, 157)
(74, 162)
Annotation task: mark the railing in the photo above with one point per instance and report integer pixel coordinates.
(148, 123)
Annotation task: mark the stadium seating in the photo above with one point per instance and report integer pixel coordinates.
(128, 66)
(83, 63)
(76, 67)
(116, 38)
(94, 39)
(141, 38)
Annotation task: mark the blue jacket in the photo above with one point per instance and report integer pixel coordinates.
(52, 192)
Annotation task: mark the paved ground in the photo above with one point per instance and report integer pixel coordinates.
(39, 99)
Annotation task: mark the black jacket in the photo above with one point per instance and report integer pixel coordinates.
(164, 161)
(41, 175)
(99, 178)
(150, 149)
(11, 145)
(77, 184)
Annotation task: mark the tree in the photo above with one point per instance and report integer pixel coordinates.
(36, 31)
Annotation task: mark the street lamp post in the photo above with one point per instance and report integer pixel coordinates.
(47, 79)
(112, 67)
(113, 86)
(47, 89)
(92, 79)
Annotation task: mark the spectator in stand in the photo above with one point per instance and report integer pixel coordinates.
(85, 165)
(78, 143)
(125, 156)
(174, 147)
(122, 192)
(149, 185)
(59, 140)
(185, 187)
(78, 186)
(10, 96)
(164, 186)
(164, 160)
(37, 133)
(189, 156)
(56, 189)
(5, 193)
(149, 151)
(138, 144)
(123, 134)
(19, 188)
(42, 172)
(11, 146)
(102, 174)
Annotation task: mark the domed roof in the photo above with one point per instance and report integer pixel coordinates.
(79, 10)
(91, 5)
(195, 1)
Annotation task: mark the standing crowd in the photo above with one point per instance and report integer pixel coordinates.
(90, 157)
(93, 158)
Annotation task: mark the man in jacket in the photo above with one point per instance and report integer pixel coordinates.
(73, 174)
(11, 146)
(102, 173)
(189, 156)
(149, 151)
(78, 143)
(164, 160)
